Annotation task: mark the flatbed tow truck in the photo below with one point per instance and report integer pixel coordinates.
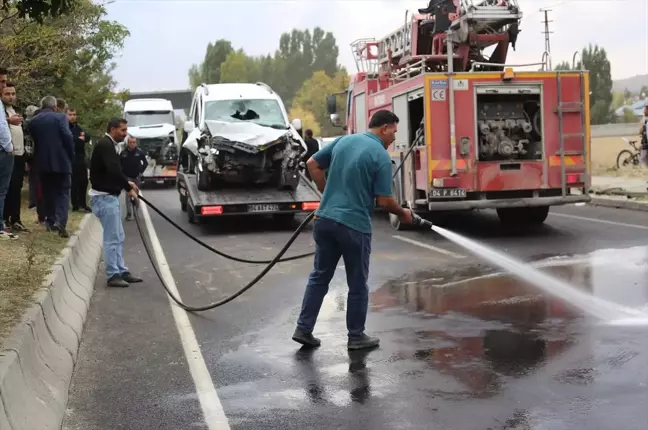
(230, 150)
(283, 205)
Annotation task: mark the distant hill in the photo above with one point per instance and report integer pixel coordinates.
(633, 84)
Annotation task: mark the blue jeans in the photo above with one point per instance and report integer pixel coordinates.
(108, 209)
(6, 168)
(334, 240)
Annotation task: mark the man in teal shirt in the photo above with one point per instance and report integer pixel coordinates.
(352, 172)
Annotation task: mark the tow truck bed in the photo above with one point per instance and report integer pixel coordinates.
(245, 200)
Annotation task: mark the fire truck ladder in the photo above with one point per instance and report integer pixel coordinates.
(485, 17)
(570, 107)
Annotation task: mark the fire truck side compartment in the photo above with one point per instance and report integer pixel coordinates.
(509, 123)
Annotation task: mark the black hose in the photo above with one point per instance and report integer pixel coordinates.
(216, 251)
(271, 264)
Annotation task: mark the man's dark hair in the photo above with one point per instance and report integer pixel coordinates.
(9, 84)
(61, 103)
(309, 133)
(71, 109)
(383, 117)
(115, 123)
(3, 71)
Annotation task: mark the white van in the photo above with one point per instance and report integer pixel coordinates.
(152, 123)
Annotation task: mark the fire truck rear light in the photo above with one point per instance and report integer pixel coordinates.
(445, 182)
(573, 179)
(310, 206)
(211, 210)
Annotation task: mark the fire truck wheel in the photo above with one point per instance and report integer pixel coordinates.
(523, 216)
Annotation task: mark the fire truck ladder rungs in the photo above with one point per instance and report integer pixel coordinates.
(569, 107)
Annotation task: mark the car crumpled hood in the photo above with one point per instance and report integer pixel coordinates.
(245, 132)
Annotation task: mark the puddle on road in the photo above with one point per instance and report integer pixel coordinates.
(495, 344)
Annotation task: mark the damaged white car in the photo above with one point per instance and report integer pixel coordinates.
(243, 137)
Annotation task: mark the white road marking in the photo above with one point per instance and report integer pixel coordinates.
(430, 247)
(602, 221)
(211, 406)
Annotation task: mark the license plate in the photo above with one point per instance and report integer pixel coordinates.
(263, 208)
(159, 181)
(448, 193)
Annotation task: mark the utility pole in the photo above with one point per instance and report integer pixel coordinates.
(547, 33)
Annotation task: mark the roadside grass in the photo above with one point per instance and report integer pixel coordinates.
(25, 263)
(604, 155)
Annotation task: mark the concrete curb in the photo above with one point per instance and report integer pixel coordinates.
(619, 203)
(38, 357)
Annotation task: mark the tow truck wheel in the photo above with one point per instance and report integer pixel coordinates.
(523, 216)
(183, 203)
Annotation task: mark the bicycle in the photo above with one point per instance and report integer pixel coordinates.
(627, 157)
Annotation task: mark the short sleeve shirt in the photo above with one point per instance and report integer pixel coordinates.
(359, 169)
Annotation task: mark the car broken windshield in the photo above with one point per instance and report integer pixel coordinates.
(265, 112)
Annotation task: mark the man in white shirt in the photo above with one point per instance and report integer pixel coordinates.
(13, 199)
(6, 160)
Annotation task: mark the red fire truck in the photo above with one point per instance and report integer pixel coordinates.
(474, 132)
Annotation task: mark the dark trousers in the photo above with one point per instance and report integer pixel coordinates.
(334, 240)
(56, 197)
(79, 185)
(14, 192)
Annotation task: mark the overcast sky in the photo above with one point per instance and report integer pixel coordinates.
(167, 36)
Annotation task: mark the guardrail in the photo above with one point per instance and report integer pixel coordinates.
(615, 130)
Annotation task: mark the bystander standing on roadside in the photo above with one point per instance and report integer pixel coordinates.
(53, 156)
(61, 106)
(13, 199)
(80, 166)
(312, 147)
(107, 180)
(6, 160)
(30, 112)
(133, 162)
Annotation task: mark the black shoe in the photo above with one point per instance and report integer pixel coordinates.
(86, 210)
(62, 232)
(126, 276)
(19, 226)
(363, 342)
(75, 209)
(117, 281)
(129, 217)
(306, 339)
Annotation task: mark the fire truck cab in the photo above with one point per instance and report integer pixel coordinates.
(474, 133)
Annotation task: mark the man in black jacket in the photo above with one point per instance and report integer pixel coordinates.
(133, 162)
(79, 165)
(108, 181)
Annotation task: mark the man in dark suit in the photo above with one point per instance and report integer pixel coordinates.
(53, 157)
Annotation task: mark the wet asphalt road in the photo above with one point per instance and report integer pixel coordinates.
(459, 350)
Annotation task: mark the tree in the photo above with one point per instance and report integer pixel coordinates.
(238, 67)
(209, 71)
(594, 59)
(307, 118)
(38, 10)
(564, 65)
(312, 96)
(644, 91)
(68, 56)
(303, 54)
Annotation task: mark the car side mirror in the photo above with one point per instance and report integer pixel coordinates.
(331, 105)
(297, 124)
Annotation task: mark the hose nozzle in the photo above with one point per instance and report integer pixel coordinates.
(420, 222)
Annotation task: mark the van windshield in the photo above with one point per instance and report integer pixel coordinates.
(149, 117)
(266, 112)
